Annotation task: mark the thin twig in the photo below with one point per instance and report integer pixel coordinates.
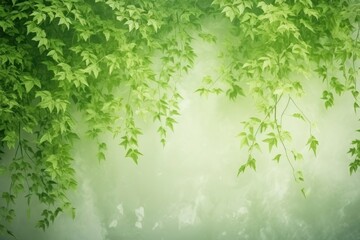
(303, 114)
(283, 144)
(262, 121)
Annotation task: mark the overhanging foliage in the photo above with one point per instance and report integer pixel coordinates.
(96, 57)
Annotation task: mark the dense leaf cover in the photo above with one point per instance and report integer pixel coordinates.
(97, 57)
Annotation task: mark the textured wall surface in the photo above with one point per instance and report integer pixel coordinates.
(189, 188)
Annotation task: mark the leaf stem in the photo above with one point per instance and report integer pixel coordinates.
(282, 142)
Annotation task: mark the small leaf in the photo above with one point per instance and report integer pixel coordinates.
(313, 143)
(229, 12)
(11, 233)
(241, 169)
(106, 34)
(299, 176)
(298, 116)
(303, 192)
(277, 158)
(234, 91)
(329, 99)
(271, 141)
(252, 163)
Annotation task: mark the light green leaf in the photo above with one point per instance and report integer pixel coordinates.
(271, 141)
(252, 163)
(241, 169)
(298, 116)
(229, 12)
(277, 158)
(313, 143)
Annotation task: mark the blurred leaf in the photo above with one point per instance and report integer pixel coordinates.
(313, 143)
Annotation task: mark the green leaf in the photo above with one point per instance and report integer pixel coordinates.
(208, 37)
(234, 91)
(10, 139)
(303, 192)
(101, 156)
(241, 169)
(203, 91)
(329, 99)
(297, 156)
(170, 123)
(93, 69)
(229, 12)
(277, 158)
(133, 154)
(46, 137)
(107, 35)
(298, 116)
(154, 24)
(271, 141)
(311, 12)
(299, 176)
(338, 87)
(252, 163)
(313, 143)
(46, 100)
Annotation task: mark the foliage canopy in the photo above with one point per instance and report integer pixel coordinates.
(96, 57)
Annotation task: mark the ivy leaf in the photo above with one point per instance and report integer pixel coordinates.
(234, 91)
(271, 140)
(307, 25)
(299, 176)
(170, 123)
(241, 169)
(229, 12)
(133, 154)
(251, 163)
(313, 143)
(154, 24)
(329, 99)
(107, 35)
(277, 158)
(354, 166)
(101, 156)
(46, 100)
(10, 139)
(297, 155)
(203, 91)
(356, 106)
(338, 87)
(132, 25)
(311, 12)
(303, 192)
(207, 37)
(92, 69)
(298, 116)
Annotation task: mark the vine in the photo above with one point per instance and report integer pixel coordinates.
(98, 58)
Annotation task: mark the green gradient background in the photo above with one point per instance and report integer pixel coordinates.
(189, 188)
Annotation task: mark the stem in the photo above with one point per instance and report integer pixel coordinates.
(262, 121)
(282, 143)
(222, 74)
(283, 112)
(306, 118)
